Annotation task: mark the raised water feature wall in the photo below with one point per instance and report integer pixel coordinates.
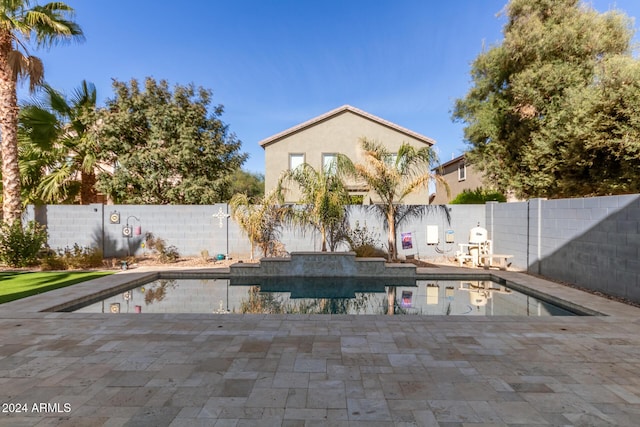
(323, 264)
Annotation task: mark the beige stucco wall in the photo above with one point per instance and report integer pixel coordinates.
(337, 134)
(450, 174)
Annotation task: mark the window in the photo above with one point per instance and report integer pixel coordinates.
(329, 161)
(295, 160)
(462, 172)
(391, 160)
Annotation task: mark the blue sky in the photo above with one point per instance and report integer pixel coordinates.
(274, 64)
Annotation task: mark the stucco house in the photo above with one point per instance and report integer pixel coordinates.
(459, 175)
(318, 140)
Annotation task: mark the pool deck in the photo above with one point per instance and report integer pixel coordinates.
(318, 370)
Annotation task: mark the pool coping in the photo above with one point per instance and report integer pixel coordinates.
(59, 299)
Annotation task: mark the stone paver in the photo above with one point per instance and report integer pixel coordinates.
(234, 370)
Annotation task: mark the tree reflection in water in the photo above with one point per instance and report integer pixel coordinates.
(261, 303)
(270, 303)
(391, 300)
(158, 291)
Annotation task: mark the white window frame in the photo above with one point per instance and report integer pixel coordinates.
(329, 167)
(293, 165)
(462, 172)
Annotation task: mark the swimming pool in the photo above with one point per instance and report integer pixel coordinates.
(336, 295)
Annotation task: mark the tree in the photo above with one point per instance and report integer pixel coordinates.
(57, 148)
(259, 218)
(166, 147)
(553, 110)
(392, 178)
(21, 23)
(251, 184)
(323, 197)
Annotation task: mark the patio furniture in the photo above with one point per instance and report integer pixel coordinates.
(487, 260)
(478, 245)
(479, 251)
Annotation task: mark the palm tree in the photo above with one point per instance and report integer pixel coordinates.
(259, 218)
(323, 195)
(55, 141)
(393, 177)
(20, 22)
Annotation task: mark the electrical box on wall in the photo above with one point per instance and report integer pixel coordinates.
(432, 235)
(449, 236)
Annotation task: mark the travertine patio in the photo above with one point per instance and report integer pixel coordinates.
(235, 370)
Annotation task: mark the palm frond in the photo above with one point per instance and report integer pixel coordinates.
(85, 95)
(409, 212)
(38, 126)
(52, 24)
(56, 101)
(54, 187)
(26, 66)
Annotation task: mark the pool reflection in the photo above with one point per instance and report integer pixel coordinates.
(325, 296)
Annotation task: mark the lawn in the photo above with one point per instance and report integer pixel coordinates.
(16, 285)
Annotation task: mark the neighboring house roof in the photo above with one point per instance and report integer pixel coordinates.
(340, 110)
(450, 162)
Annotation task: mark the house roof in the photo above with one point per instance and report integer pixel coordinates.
(452, 161)
(340, 110)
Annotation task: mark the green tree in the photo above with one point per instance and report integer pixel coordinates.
(251, 184)
(479, 196)
(553, 110)
(21, 23)
(393, 177)
(166, 147)
(323, 197)
(57, 149)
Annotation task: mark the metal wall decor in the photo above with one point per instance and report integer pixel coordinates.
(127, 231)
(114, 217)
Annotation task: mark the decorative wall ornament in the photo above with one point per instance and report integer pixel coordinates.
(114, 217)
(221, 215)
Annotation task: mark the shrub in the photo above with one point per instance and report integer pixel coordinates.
(369, 251)
(77, 257)
(52, 261)
(20, 246)
(165, 253)
(364, 243)
(81, 257)
(478, 196)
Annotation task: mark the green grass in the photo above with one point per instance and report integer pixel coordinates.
(16, 285)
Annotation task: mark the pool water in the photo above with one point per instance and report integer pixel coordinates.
(325, 296)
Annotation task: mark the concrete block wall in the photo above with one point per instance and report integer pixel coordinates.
(193, 229)
(463, 219)
(593, 242)
(510, 229)
(70, 224)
